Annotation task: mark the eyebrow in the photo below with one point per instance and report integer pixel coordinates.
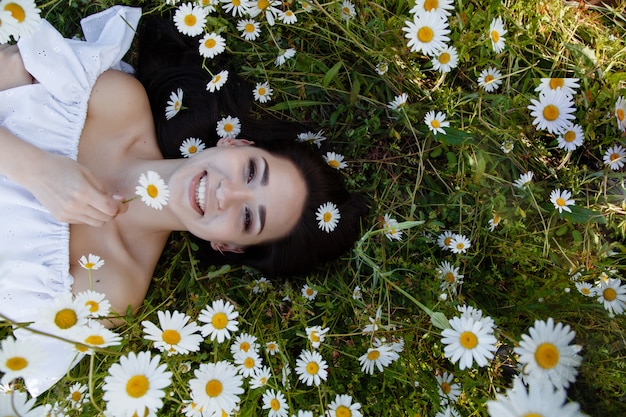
(264, 181)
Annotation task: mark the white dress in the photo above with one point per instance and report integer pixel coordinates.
(34, 247)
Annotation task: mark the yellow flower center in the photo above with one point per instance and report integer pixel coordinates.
(89, 265)
(435, 123)
(444, 58)
(547, 355)
(345, 11)
(373, 355)
(228, 127)
(343, 411)
(533, 415)
(16, 363)
(137, 386)
(609, 294)
(262, 91)
(585, 290)
(560, 202)
(556, 83)
(327, 217)
(249, 363)
(217, 79)
(460, 245)
(213, 388)
(190, 20)
(177, 105)
(447, 241)
(425, 34)
(152, 190)
(65, 318)
(263, 4)
(446, 388)
(272, 346)
(620, 114)
(16, 10)
(431, 5)
(249, 28)
(551, 112)
(315, 337)
(449, 277)
(312, 368)
(236, 3)
(569, 136)
(210, 43)
(495, 36)
(333, 163)
(192, 149)
(76, 396)
(95, 339)
(275, 404)
(468, 340)
(496, 220)
(309, 291)
(263, 380)
(93, 306)
(615, 156)
(171, 337)
(245, 346)
(489, 78)
(219, 321)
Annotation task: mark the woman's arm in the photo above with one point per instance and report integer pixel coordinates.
(12, 71)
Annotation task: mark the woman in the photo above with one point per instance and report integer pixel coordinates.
(76, 137)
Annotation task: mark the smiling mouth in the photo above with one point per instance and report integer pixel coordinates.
(201, 193)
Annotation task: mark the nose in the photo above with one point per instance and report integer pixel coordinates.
(229, 193)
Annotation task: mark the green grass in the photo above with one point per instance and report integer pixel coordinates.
(516, 274)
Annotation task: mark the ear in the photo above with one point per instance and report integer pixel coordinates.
(234, 142)
(227, 247)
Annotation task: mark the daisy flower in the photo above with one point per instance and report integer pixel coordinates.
(302, 413)
(97, 303)
(612, 294)
(236, 7)
(309, 292)
(585, 289)
(152, 190)
(261, 377)
(448, 391)
(136, 385)
(342, 406)
(620, 113)
(469, 340)
(270, 8)
(335, 160)
(64, 316)
(445, 239)
(568, 85)
(357, 294)
(561, 200)
(382, 68)
(228, 127)
(316, 138)
(16, 403)
(288, 17)
(375, 322)
(524, 180)
(448, 412)
(440, 7)
(244, 342)
(496, 34)
(449, 276)
(272, 347)
(436, 122)
(347, 10)
(490, 79)
(390, 228)
(217, 81)
(275, 402)
(249, 28)
(306, 6)
(262, 92)
(460, 244)
(475, 314)
(8, 26)
(220, 319)
(212, 45)
(615, 157)
(316, 335)
(191, 146)
(571, 137)
(539, 399)
(176, 333)
(284, 55)
(445, 59)
(216, 388)
(546, 354)
(90, 262)
(25, 16)
(247, 363)
(553, 111)
(327, 216)
(20, 359)
(379, 357)
(426, 33)
(190, 19)
(174, 104)
(78, 395)
(494, 222)
(311, 368)
(507, 146)
(261, 285)
(95, 335)
(398, 101)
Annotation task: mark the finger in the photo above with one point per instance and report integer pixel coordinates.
(99, 200)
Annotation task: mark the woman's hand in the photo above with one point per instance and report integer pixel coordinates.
(12, 71)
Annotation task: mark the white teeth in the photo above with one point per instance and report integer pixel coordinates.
(200, 193)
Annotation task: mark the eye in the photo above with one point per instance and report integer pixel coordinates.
(251, 171)
(247, 219)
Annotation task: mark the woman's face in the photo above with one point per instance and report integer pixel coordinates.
(235, 195)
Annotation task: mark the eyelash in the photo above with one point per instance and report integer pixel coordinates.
(247, 215)
(251, 171)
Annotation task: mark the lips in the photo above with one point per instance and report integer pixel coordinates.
(197, 193)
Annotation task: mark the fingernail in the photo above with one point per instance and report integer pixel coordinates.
(118, 197)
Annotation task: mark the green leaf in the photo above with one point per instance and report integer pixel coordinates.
(583, 215)
(294, 104)
(454, 137)
(331, 74)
